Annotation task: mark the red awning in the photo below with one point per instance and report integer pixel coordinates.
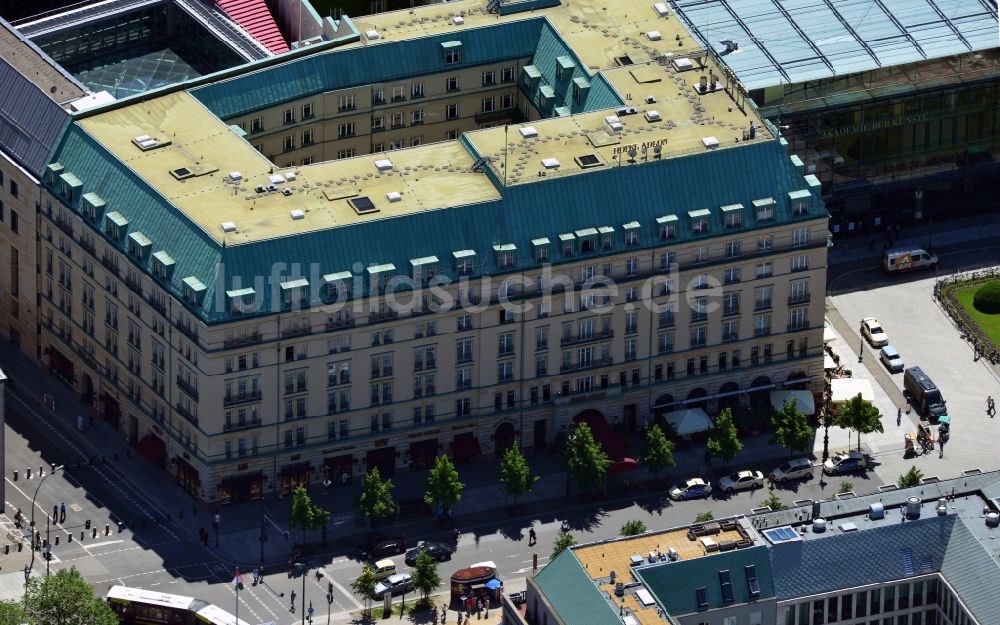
(466, 447)
(623, 466)
(603, 434)
(151, 448)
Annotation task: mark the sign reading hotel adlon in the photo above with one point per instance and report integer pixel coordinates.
(638, 147)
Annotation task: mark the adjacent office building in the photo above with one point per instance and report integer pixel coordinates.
(918, 556)
(463, 228)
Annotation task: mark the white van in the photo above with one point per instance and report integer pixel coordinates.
(907, 259)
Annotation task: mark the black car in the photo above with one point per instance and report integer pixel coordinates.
(438, 551)
(382, 548)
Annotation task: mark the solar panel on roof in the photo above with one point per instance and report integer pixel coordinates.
(362, 205)
(752, 584)
(787, 533)
(701, 595)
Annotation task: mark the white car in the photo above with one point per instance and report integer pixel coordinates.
(792, 470)
(872, 330)
(741, 480)
(695, 488)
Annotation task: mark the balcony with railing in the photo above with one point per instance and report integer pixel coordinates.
(235, 399)
(585, 365)
(251, 338)
(189, 389)
(586, 337)
(798, 298)
(245, 425)
(338, 324)
(302, 330)
(187, 415)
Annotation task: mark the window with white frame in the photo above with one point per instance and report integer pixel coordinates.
(288, 143)
(307, 137)
(765, 243)
(256, 124)
(700, 225)
(378, 123)
(346, 102)
(731, 275)
(308, 110)
(378, 96)
(348, 153)
(765, 269)
(765, 212)
(345, 130)
(452, 56)
(396, 120)
(507, 74)
(800, 263)
(632, 236)
(733, 218)
(397, 93)
(489, 104)
(415, 141)
(800, 236)
(417, 90)
(451, 84)
(762, 324)
(451, 111)
(288, 116)
(733, 248)
(507, 101)
(489, 77)
(416, 117)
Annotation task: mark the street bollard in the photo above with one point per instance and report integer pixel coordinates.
(6, 549)
(120, 527)
(15, 475)
(107, 529)
(69, 538)
(81, 534)
(27, 473)
(20, 546)
(40, 472)
(57, 539)
(94, 534)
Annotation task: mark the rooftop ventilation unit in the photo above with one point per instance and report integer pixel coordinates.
(393, 196)
(652, 116)
(683, 64)
(650, 99)
(146, 143)
(528, 132)
(297, 214)
(661, 9)
(234, 176)
(993, 519)
(458, 20)
(913, 507)
(383, 164)
(276, 179)
(819, 525)
(228, 226)
(654, 35)
(550, 163)
(614, 123)
(286, 192)
(372, 35)
(876, 511)
(710, 142)
(362, 205)
(290, 176)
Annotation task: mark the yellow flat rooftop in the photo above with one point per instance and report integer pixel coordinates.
(431, 177)
(648, 58)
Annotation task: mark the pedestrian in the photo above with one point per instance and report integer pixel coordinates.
(293, 602)
(899, 416)
(990, 406)
(532, 537)
(444, 614)
(62, 512)
(55, 513)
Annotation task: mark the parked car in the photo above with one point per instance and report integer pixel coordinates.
(741, 480)
(382, 547)
(438, 551)
(923, 394)
(691, 489)
(792, 470)
(845, 462)
(891, 359)
(872, 330)
(394, 585)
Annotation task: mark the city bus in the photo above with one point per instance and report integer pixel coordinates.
(135, 606)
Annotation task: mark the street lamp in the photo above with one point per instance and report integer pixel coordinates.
(302, 568)
(33, 498)
(827, 422)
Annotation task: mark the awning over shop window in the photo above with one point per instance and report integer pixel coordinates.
(603, 434)
(803, 400)
(465, 447)
(688, 421)
(151, 448)
(843, 389)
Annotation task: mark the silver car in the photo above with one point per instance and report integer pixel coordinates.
(891, 359)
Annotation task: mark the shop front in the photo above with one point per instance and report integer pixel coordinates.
(240, 488)
(187, 477)
(292, 476)
(423, 453)
(383, 459)
(339, 469)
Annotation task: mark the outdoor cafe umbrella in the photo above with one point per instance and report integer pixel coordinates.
(944, 419)
(493, 584)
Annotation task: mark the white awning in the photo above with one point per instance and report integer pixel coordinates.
(828, 362)
(803, 400)
(828, 334)
(842, 389)
(688, 421)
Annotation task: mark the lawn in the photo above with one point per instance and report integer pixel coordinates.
(990, 324)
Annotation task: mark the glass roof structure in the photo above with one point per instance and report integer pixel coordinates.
(793, 41)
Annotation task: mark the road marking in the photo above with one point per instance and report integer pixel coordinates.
(105, 543)
(350, 596)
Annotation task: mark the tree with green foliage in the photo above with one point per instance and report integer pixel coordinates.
(704, 517)
(633, 527)
(564, 540)
(63, 598)
(860, 415)
(11, 613)
(773, 502)
(364, 586)
(586, 462)
(305, 514)
(723, 443)
(845, 487)
(426, 577)
(913, 477)
(375, 500)
(791, 428)
(443, 486)
(659, 451)
(515, 475)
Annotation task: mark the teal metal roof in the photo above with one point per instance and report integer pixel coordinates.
(679, 599)
(572, 594)
(382, 62)
(794, 42)
(973, 573)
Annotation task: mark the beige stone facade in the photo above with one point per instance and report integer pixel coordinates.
(18, 198)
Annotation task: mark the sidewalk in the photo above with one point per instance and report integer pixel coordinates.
(940, 235)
